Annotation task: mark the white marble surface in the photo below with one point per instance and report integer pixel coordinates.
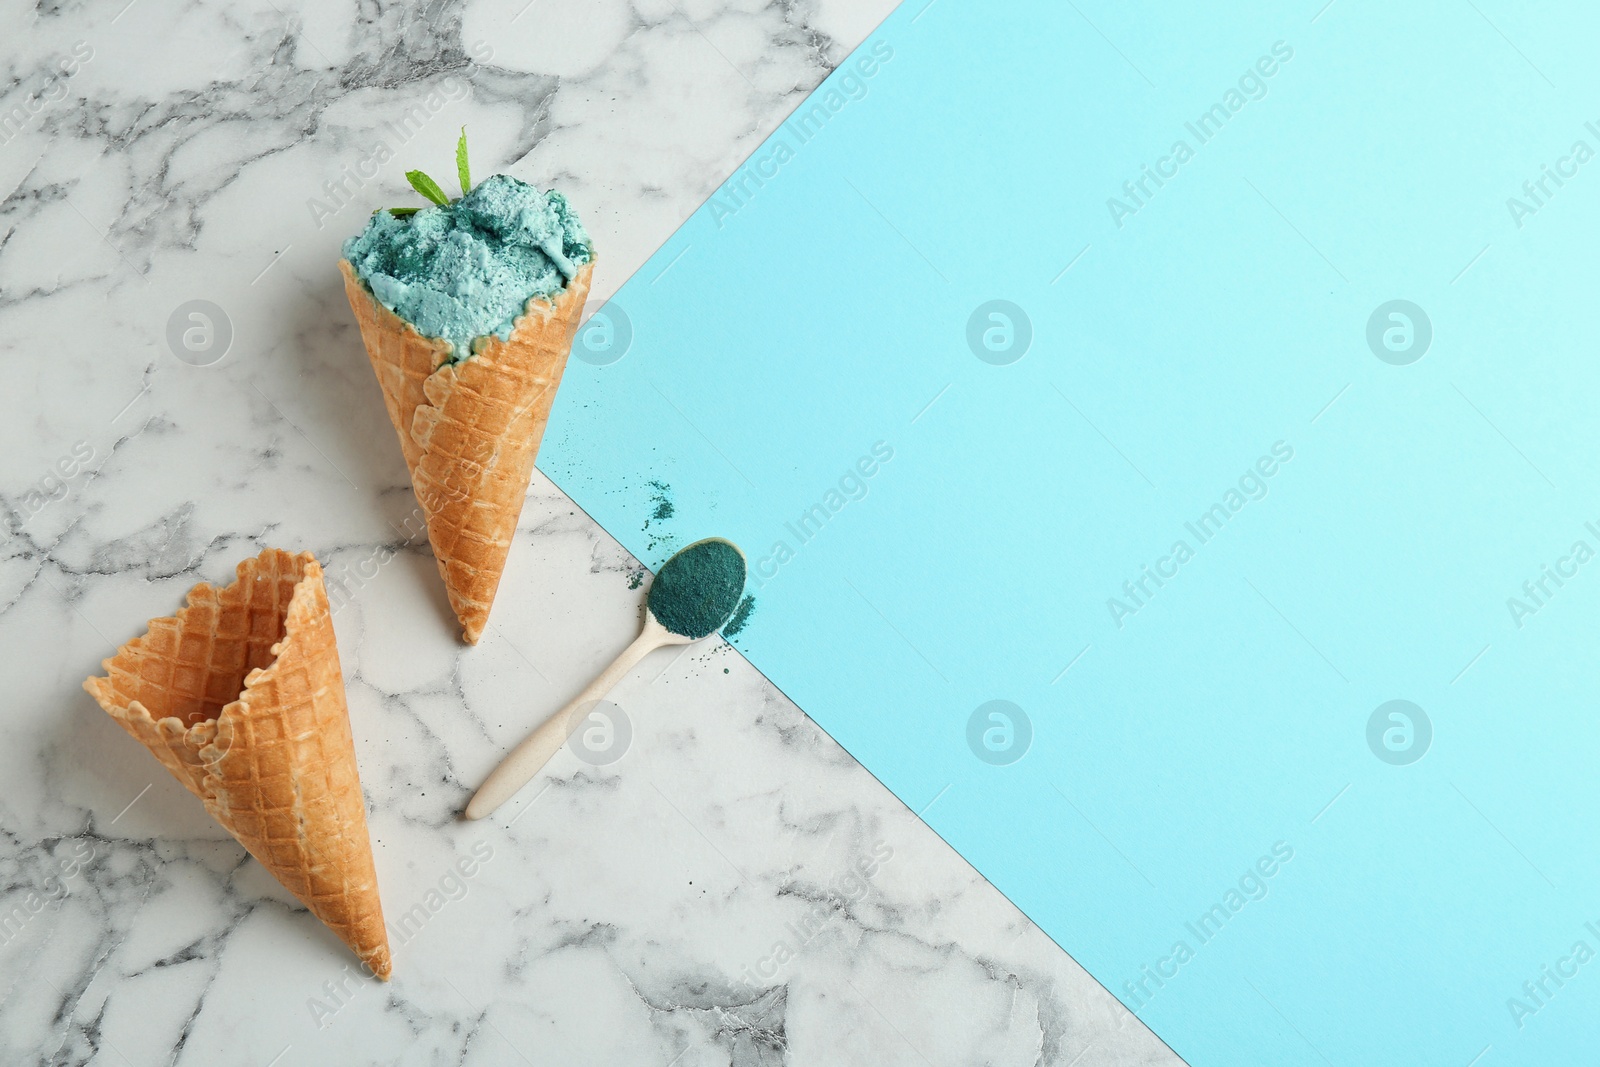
(629, 914)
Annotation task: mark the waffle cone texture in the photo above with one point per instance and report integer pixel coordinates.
(470, 430)
(240, 696)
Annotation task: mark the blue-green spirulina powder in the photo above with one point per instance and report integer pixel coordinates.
(661, 497)
(662, 509)
(741, 618)
(697, 589)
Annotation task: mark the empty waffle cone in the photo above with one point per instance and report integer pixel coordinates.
(470, 430)
(240, 696)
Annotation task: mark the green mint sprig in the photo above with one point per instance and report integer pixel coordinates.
(427, 187)
(430, 189)
(462, 172)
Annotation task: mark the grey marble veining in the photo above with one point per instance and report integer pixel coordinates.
(733, 890)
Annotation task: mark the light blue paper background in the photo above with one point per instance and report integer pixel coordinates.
(797, 320)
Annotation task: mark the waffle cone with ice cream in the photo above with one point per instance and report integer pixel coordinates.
(240, 696)
(470, 430)
(467, 310)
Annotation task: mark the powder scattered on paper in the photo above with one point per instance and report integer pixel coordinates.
(741, 617)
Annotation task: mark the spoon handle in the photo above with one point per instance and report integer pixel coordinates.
(526, 760)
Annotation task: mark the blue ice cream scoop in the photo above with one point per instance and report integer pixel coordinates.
(467, 269)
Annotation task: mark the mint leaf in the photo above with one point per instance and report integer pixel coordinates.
(401, 212)
(427, 187)
(461, 163)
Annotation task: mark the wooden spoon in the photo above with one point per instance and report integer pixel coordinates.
(693, 606)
